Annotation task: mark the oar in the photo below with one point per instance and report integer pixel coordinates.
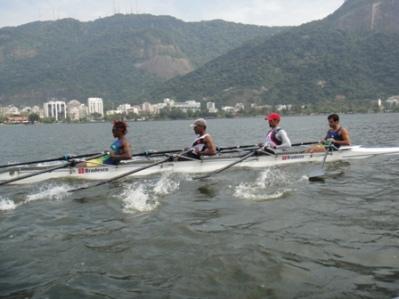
(64, 158)
(248, 155)
(305, 143)
(252, 146)
(318, 174)
(70, 163)
(129, 172)
(146, 153)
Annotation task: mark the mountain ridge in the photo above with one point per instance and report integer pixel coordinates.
(317, 61)
(117, 58)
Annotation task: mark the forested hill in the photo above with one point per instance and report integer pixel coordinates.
(117, 58)
(353, 54)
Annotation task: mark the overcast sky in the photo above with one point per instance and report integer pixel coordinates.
(259, 12)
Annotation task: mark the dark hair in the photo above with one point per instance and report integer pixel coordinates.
(120, 124)
(333, 116)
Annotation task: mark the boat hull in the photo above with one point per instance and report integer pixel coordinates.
(193, 166)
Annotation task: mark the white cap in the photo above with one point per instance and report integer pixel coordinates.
(199, 122)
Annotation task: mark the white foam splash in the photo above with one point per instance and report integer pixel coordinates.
(50, 191)
(7, 204)
(145, 196)
(271, 184)
(166, 185)
(136, 198)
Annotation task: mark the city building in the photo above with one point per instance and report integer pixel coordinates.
(55, 109)
(211, 107)
(95, 105)
(239, 107)
(12, 110)
(228, 109)
(186, 106)
(146, 107)
(74, 110)
(393, 101)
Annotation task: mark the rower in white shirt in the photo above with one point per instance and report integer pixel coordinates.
(276, 137)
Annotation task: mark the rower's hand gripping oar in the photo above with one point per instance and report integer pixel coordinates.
(70, 163)
(130, 172)
(243, 158)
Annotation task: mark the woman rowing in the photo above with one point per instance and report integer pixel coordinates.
(120, 148)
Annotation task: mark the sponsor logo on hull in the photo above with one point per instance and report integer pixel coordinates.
(84, 170)
(293, 157)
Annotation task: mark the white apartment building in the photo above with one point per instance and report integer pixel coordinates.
(188, 106)
(55, 109)
(211, 107)
(95, 106)
(147, 108)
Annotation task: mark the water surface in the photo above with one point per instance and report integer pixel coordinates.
(242, 234)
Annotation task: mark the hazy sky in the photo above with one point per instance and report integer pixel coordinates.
(259, 12)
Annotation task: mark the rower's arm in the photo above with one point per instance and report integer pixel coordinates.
(126, 152)
(211, 147)
(346, 138)
(285, 141)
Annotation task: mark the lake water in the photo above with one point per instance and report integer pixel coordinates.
(242, 234)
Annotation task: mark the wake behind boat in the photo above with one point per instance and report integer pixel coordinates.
(192, 166)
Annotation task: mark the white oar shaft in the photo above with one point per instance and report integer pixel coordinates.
(250, 154)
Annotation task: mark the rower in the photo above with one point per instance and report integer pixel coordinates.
(203, 145)
(276, 137)
(336, 136)
(120, 148)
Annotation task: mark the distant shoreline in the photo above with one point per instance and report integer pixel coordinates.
(182, 119)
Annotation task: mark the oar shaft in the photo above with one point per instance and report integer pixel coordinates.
(305, 143)
(119, 176)
(125, 174)
(33, 174)
(248, 155)
(70, 163)
(64, 158)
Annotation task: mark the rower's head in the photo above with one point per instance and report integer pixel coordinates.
(119, 129)
(273, 119)
(199, 126)
(333, 121)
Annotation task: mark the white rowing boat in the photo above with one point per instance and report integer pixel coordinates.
(206, 165)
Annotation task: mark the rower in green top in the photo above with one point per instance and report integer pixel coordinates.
(120, 148)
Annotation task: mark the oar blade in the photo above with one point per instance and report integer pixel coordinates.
(317, 175)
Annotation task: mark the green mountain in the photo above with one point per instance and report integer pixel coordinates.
(353, 54)
(118, 58)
